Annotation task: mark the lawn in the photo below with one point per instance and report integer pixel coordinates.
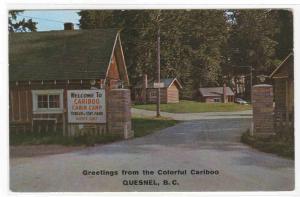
(144, 126)
(195, 107)
(141, 126)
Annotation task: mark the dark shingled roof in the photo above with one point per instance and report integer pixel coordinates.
(215, 91)
(60, 55)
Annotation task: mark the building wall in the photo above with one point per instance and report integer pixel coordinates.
(20, 104)
(284, 104)
(172, 94)
(113, 74)
(21, 113)
(211, 99)
(152, 95)
(21, 116)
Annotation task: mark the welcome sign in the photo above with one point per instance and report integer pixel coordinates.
(86, 106)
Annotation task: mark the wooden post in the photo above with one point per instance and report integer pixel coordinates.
(158, 74)
(27, 108)
(12, 105)
(19, 103)
(286, 103)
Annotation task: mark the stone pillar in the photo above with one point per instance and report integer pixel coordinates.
(262, 103)
(118, 113)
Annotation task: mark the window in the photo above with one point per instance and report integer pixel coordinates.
(42, 101)
(47, 101)
(53, 101)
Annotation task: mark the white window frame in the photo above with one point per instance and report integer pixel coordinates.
(37, 110)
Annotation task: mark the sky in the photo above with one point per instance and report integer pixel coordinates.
(51, 19)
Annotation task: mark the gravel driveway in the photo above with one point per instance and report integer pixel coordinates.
(198, 145)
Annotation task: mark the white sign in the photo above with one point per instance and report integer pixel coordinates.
(86, 106)
(158, 85)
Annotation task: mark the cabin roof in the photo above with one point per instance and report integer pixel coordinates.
(60, 55)
(215, 91)
(284, 63)
(166, 81)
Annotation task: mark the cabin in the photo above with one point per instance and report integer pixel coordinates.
(283, 85)
(216, 94)
(145, 92)
(71, 81)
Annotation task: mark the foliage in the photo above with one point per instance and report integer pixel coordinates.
(199, 47)
(185, 106)
(20, 26)
(190, 42)
(271, 144)
(284, 35)
(256, 41)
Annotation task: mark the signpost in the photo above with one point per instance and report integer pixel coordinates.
(86, 106)
(158, 85)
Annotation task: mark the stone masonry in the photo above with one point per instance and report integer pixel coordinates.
(119, 114)
(262, 101)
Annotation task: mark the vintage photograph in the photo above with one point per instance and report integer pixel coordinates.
(149, 100)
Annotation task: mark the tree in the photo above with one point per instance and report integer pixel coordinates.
(251, 44)
(198, 46)
(19, 26)
(284, 37)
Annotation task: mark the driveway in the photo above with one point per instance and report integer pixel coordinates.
(202, 145)
(195, 116)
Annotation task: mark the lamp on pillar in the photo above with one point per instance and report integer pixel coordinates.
(262, 78)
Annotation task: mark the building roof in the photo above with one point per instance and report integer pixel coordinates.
(166, 81)
(215, 91)
(290, 57)
(60, 55)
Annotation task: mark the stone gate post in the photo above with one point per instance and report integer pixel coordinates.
(118, 113)
(262, 103)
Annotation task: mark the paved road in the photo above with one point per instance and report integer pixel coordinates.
(195, 116)
(199, 144)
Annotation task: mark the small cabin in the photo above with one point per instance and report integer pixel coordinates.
(283, 85)
(69, 81)
(145, 92)
(216, 95)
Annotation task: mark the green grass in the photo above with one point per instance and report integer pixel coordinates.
(195, 107)
(141, 126)
(144, 126)
(279, 145)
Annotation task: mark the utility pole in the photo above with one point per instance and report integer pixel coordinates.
(251, 83)
(158, 73)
